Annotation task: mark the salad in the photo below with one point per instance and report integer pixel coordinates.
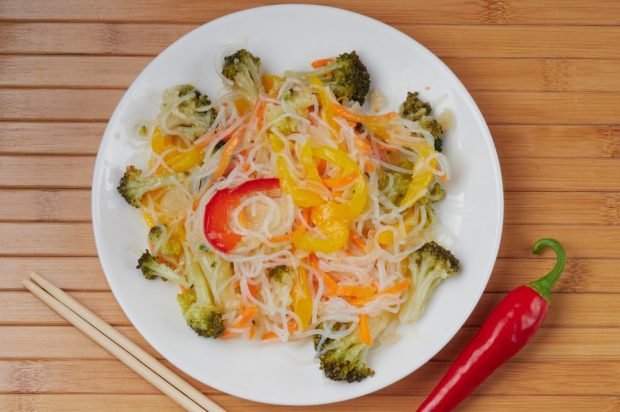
(292, 208)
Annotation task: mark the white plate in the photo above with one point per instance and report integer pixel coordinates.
(289, 37)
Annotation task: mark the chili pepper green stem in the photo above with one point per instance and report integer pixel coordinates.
(544, 285)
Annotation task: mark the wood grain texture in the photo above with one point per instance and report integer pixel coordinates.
(592, 208)
(546, 76)
(569, 378)
(526, 174)
(498, 107)
(580, 275)
(511, 141)
(159, 403)
(572, 12)
(591, 42)
(577, 310)
(521, 74)
(550, 344)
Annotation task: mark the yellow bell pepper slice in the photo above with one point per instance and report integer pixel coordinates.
(336, 236)
(275, 142)
(288, 183)
(325, 103)
(333, 218)
(421, 179)
(184, 161)
(159, 142)
(302, 298)
(179, 161)
(307, 160)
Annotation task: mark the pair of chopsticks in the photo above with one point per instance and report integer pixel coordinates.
(120, 346)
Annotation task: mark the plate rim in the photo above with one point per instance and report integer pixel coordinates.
(477, 117)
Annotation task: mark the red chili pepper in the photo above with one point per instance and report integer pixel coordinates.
(511, 324)
(216, 227)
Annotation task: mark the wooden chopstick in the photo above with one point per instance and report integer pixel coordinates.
(120, 346)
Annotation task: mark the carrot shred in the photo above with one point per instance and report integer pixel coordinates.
(321, 62)
(362, 144)
(269, 336)
(365, 335)
(357, 241)
(246, 317)
(227, 335)
(347, 114)
(369, 166)
(397, 288)
(338, 182)
(227, 152)
(355, 291)
(282, 238)
(251, 332)
(306, 215)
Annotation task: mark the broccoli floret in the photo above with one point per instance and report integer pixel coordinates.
(243, 69)
(394, 185)
(282, 278)
(133, 185)
(346, 76)
(285, 125)
(152, 269)
(414, 109)
(218, 274)
(345, 359)
(161, 242)
(192, 116)
(434, 194)
(197, 305)
(428, 266)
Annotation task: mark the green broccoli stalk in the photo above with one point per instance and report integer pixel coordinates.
(282, 278)
(416, 110)
(133, 185)
(161, 242)
(189, 114)
(218, 274)
(345, 359)
(243, 69)
(428, 266)
(346, 76)
(197, 305)
(152, 269)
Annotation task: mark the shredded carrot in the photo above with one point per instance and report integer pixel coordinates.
(369, 166)
(253, 290)
(321, 62)
(347, 114)
(362, 144)
(228, 335)
(306, 215)
(357, 241)
(321, 165)
(357, 291)
(338, 182)
(251, 332)
(444, 178)
(292, 326)
(397, 288)
(364, 330)
(227, 152)
(245, 167)
(269, 336)
(246, 317)
(282, 238)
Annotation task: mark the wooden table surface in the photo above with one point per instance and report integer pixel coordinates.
(546, 77)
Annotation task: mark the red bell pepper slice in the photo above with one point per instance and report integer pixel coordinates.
(216, 226)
